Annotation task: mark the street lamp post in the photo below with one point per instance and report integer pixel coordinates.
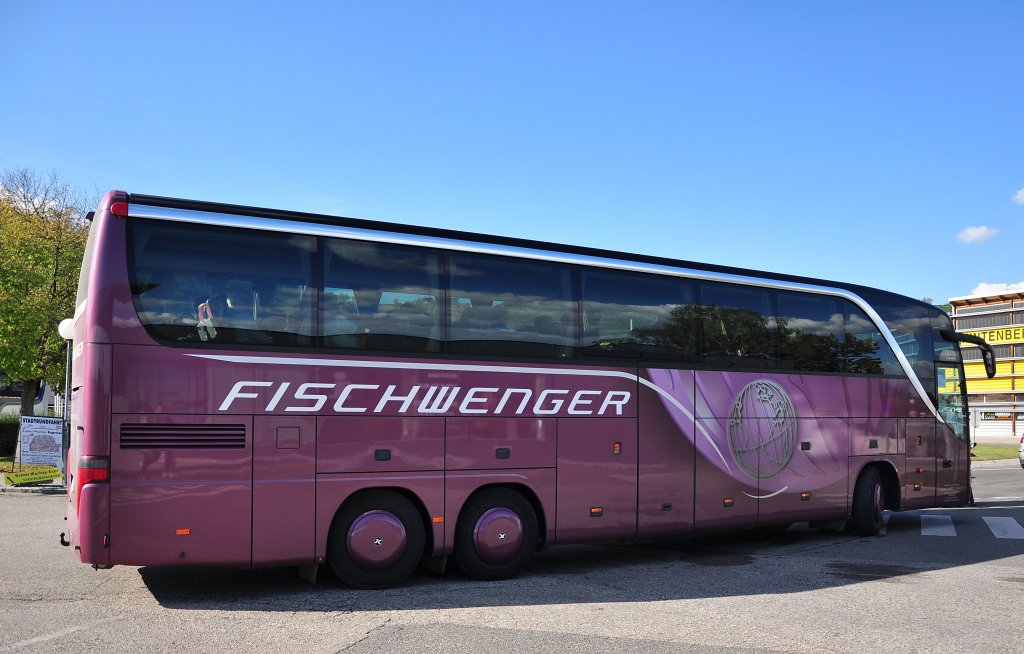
(67, 332)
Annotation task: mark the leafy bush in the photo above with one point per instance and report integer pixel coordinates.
(9, 434)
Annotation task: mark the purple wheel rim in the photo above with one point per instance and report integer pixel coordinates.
(376, 540)
(498, 535)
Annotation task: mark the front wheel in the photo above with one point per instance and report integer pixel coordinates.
(376, 540)
(496, 535)
(868, 503)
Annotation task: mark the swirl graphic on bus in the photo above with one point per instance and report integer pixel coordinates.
(762, 429)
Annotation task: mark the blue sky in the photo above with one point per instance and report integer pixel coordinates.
(845, 141)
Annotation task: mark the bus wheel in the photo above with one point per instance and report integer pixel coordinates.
(868, 503)
(376, 540)
(496, 535)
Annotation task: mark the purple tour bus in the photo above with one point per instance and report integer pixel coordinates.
(253, 387)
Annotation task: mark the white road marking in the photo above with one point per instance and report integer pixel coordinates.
(1004, 527)
(937, 525)
(57, 634)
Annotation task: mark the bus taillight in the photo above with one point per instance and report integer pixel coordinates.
(91, 470)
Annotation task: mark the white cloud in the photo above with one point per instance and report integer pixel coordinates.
(976, 234)
(985, 288)
(1018, 197)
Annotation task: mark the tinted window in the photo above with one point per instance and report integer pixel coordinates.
(866, 351)
(629, 314)
(948, 351)
(739, 327)
(912, 329)
(205, 284)
(381, 296)
(507, 306)
(83, 279)
(202, 284)
(810, 332)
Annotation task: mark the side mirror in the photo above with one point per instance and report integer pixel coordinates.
(988, 355)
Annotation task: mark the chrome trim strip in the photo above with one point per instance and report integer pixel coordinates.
(765, 497)
(338, 231)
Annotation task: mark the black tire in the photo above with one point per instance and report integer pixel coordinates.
(393, 509)
(514, 510)
(868, 503)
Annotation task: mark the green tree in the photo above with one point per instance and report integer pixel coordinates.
(42, 241)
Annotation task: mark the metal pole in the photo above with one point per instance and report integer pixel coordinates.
(67, 330)
(66, 431)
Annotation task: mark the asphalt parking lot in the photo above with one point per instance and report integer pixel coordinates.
(795, 591)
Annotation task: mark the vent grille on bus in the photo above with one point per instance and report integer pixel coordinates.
(150, 436)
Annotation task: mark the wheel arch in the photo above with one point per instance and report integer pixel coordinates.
(891, 484)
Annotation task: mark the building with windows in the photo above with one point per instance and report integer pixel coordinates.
(997, 404)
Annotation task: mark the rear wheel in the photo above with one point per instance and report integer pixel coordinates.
(868, 503)
(376, 540)
(496, 535)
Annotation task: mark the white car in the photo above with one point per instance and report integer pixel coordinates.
(1020, 452)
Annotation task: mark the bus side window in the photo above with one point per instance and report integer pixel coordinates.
(391, 295)
(276, 311)
(866, 352)
(511, 307)
(810, 332)
(174, 268)
(301, 325)
(739, 325)
(339, 317)
(626, 314)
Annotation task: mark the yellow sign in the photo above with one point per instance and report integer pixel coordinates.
(1001, 335)
(46, 474)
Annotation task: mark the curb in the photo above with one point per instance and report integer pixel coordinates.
(996, 463)
(32, 490)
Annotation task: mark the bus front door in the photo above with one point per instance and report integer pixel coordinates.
(919, 446)
(952, 454)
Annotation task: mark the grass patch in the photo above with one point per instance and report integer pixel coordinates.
(994, 452)
(8, 464)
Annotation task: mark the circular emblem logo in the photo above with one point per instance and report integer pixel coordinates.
(762, 429)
